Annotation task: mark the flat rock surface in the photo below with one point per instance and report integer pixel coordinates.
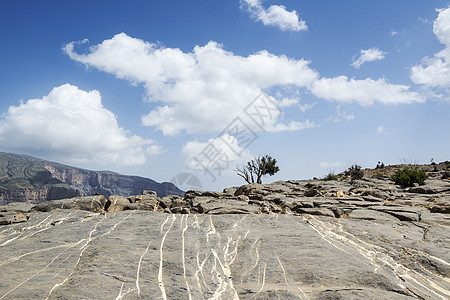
(74, 254)
(311, 239)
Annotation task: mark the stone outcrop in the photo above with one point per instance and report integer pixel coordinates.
(313, 239)
(28, 179)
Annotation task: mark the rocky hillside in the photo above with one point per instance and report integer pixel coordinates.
(312, 239)
(28, 179)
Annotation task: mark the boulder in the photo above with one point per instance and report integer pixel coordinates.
(248, 189)
(230, 190)
(193, 194)
(89, 203)
(368, 214)
(141, 206)
(116, 203)
(19, 218)
(179, 202)
(377, 193)
(312, 192)
(166, 202)
(442, 209)
(315, 211)
(146, 197)
(148, 192)
(3, 220)
(422, 190)
(228, 207)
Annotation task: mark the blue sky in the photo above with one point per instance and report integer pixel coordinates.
(149, 87)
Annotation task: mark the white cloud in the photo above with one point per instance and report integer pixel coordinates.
(393, 32)
(275, 15)
(305, 107)
(364, 92)
(202, 91)
(424, 20)
(382, 130)
(368, 55)
(287, 102)
(292, 126)
(72, 124)
(435, 71)
(222, 152)
(340, 116)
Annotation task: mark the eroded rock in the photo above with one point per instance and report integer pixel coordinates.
(74, 254)
(89, 203)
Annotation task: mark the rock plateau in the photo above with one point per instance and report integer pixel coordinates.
(312, 239)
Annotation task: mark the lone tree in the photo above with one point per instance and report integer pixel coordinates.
(257, 168)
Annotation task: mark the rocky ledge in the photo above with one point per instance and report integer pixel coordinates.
(361, 239)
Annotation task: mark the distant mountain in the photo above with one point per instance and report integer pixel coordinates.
(28, 179)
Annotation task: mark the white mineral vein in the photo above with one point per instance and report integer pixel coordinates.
(256, 259)
(115, 225)
(287, 282)
(25, 229)
(183, 255)
(139, 267)
(70, 245)
(212, 230)
(10, 240)
(119, 297)
(83, 248)
(41, 270)
(374, 254)
(263, 281)
(160, 273)
(200, 270)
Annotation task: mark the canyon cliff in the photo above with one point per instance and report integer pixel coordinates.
(27, 179)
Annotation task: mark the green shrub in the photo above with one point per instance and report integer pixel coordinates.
(407, 176)
(330, 176)
(355, 172)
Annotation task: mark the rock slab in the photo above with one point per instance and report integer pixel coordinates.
(74, 254)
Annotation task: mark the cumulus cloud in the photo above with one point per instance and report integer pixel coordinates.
(201, 91)
(275, 16)
(222, 153)
(435, 71)
(368, 55)
(287, 102)
(306, 106)
(340, 116)
(292, 126)
(364, 92)
(72, 124)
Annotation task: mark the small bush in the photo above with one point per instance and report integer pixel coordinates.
(380, 165)
(355, 172)
(407, 177)
(330, 176)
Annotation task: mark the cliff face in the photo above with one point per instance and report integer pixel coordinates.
(28, 179)
(33, 195)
